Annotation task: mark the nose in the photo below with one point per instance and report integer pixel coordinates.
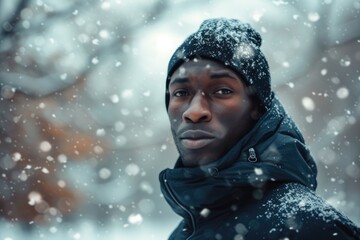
(198, 110)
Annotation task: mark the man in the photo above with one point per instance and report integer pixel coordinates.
(244, 171)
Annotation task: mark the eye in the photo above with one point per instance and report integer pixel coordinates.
(223, 91)
(180, 93)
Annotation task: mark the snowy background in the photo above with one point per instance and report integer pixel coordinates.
(84, 131)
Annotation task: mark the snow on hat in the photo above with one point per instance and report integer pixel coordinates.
(233, 43)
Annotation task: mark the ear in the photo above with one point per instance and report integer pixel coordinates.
(257, 109)
(255, 114)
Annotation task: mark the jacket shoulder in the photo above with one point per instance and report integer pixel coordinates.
(297, 211)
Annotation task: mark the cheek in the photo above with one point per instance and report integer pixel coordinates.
(233, 116)
(175, 115)
(235, 109)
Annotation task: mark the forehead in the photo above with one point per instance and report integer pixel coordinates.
(202, 69)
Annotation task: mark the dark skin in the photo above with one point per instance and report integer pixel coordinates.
(210, 110)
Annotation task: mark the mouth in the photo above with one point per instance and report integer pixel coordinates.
(196, 143)
(195, 139)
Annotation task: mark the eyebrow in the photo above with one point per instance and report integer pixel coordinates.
(179, 80)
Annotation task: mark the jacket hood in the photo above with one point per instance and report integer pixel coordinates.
(273, 151)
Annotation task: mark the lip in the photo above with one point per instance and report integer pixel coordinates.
(195, 139)
(195, 134)
(196, 143)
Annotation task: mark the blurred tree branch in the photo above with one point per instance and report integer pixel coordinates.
(34, 145)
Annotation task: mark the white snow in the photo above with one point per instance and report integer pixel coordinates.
(45, 146)
(342, 93)
(308, 103)
(295, 202)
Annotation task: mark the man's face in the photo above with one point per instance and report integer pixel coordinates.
(210, 110)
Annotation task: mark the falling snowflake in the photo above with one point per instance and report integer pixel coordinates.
(308, 103)
(135, 218)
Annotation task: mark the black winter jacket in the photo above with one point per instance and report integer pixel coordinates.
(263, 188)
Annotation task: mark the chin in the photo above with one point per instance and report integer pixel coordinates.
(193, 160)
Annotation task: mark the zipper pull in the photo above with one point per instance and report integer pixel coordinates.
(252, 155)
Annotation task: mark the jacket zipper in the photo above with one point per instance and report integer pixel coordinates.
(180, 205)
(252, 155)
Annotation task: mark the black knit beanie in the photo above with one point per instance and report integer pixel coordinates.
(233, 43)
